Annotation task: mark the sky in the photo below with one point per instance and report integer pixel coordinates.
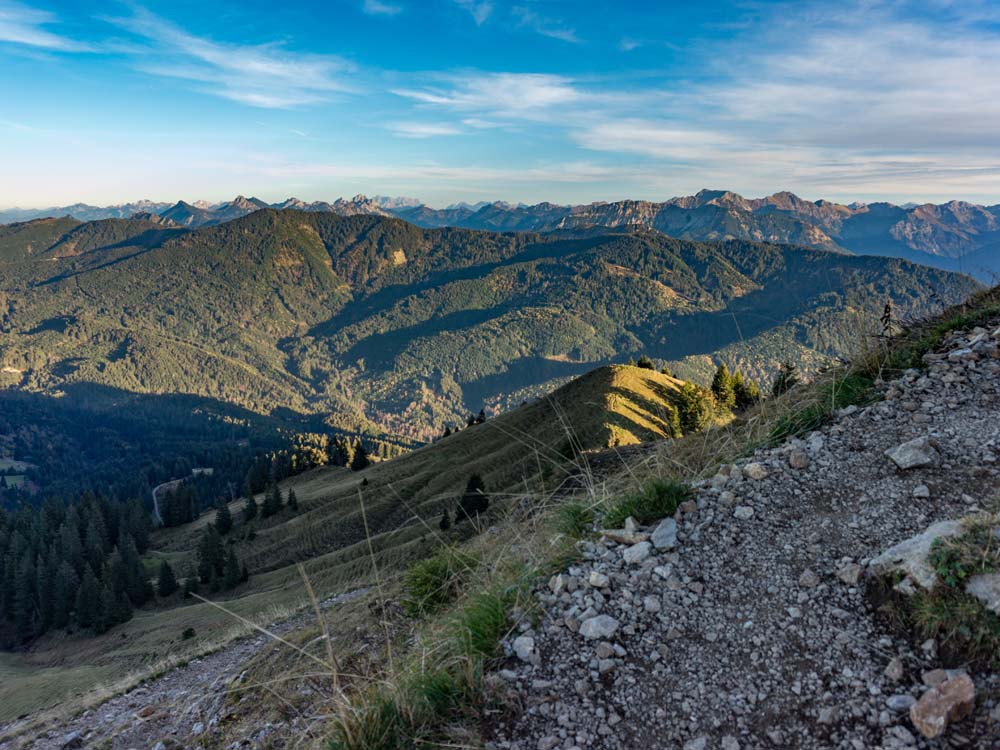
(529, 100)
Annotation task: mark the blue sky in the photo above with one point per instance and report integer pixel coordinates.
(527, 100)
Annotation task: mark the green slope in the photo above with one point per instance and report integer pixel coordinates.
(385, 326)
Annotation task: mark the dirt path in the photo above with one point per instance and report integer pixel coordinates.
(754, 630)
(171, 711)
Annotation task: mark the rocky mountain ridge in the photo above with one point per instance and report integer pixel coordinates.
(953, 236)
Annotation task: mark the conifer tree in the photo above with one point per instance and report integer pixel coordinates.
(694, 408)
(223, 519)
(272, 502)
(722, 387)
(445, 523)
(293, 501)
(211, 555)
(249, 509)
(746, 391)
(360, 460)
(787, 377)
(88, 600)
(474, 500)
(232, 572)
(166, 582)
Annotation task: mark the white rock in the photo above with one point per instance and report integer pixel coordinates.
(913, 454)
(598, 580)
(755, 470)
(850, 573)
(665, 535)
(636, 553)
(986, 588)
(921, 490)
(743, 512)
(601, 626)
(524, 648)
(910, 555)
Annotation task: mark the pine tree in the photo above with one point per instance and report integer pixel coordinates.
(445, 523)
(25, 602)
(211, 556)
(787, 377)
(249, 509)
(360, 460)
(474, 500)
(293, 501)
(166, 582)
(746, 392)
(232, 573)
(272, 502)
(64, 595)
(223, 519)
(190, 585)
(694, 408)
(88, 600)
(722, 387)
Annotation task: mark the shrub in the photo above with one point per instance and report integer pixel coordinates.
(853, 389)
(188, 634)
(575, 519)
(658, 499)
(431, 584)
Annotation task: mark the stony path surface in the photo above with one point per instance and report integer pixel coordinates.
(183, 708)
(753, 630)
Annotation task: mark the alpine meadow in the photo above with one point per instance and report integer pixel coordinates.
(570, 452)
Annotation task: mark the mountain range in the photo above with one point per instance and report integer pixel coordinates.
(386, 327)
(956, 236)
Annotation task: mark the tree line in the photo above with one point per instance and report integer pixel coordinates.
(72, 566)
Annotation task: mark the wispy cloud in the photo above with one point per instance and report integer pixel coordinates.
(379, 8)
(265, 75)
(423, 129)
(479, 9)
(540, 24)
(506, 95)
(20, 24)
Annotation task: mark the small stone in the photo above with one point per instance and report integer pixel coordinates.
(698, 743)
(921, 491)
(798, 459)
(743, 512)
(557, 584)
(730, 743)
(665, 535)
(850, 574)
(755, 471)
(72, 741)
(808, 579)
(636, 553)
(601, 626)
(934, 677)
(524, 648)
(894, 670)
(940, 706)
(900, 703)
(914, 454)
(598, 580)
(548, 742)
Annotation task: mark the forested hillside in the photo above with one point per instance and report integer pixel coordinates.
(382, 327)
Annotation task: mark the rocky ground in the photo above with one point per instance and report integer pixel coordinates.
(746, 623)
(199, 705)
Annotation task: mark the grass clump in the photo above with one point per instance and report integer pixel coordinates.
(575, 520)
(967, 630)
(658, 499)
(431, 584)
(854, 388)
